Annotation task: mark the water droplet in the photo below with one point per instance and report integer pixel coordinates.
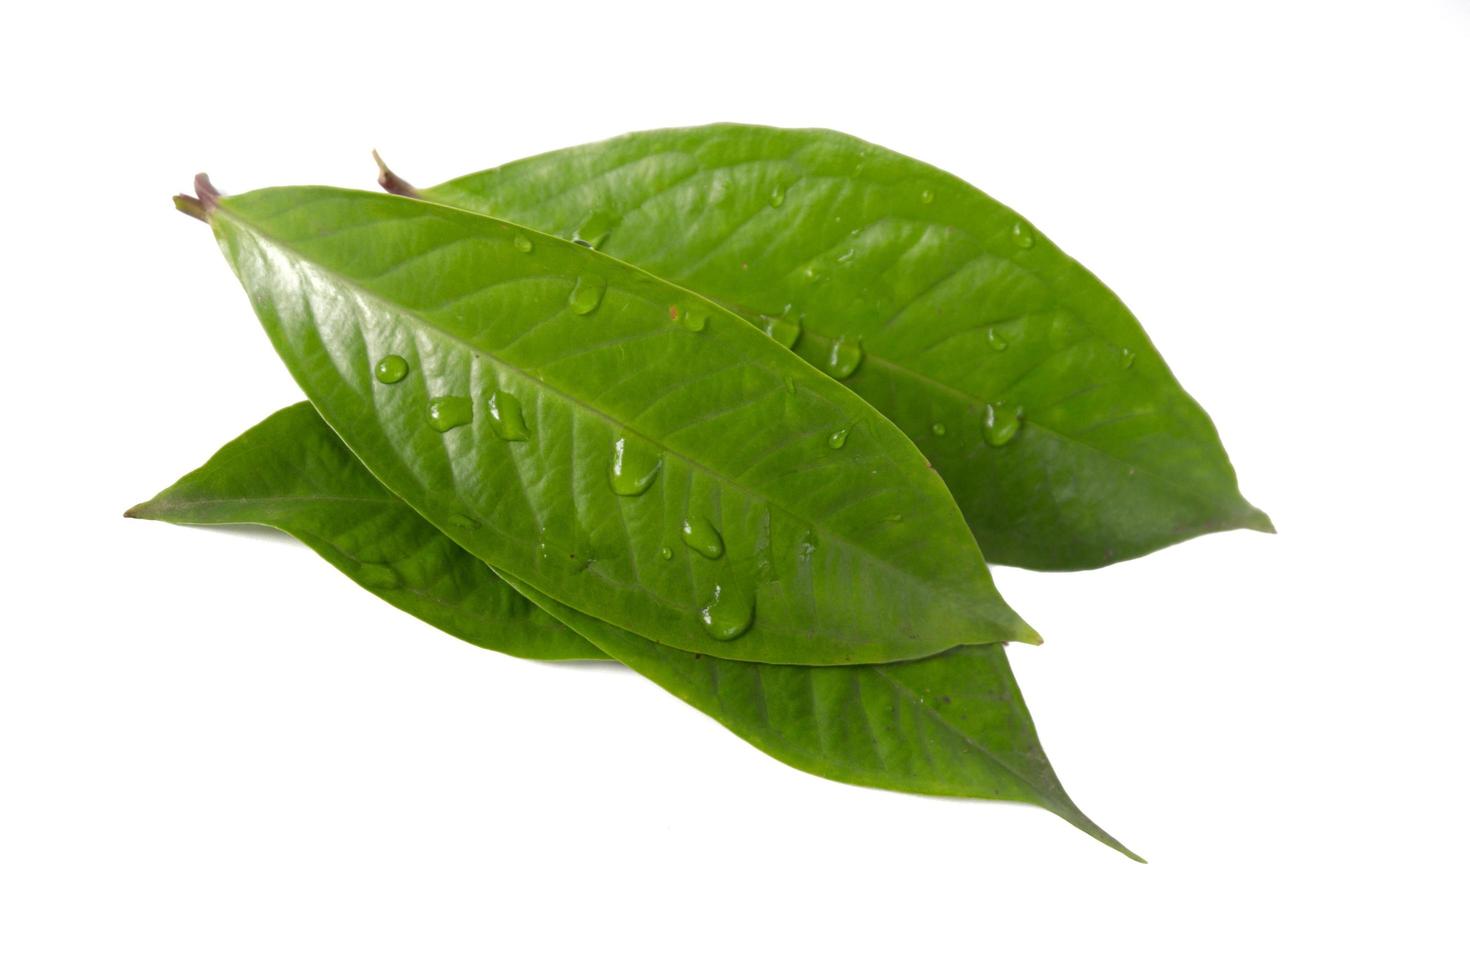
(522, 243)
(1021, 235)
(838, 439)
(728, 614)
(594, 229)
(782, 330)
(633, 467)
(702, 536)
(844, 358)
(695, 320)
(997, 342)
(778, 196)
(506, 417)
(937, 428)
(1128, 358)
(450, 412)
(587, 295)
(807, 546)
(927, 196)
(811, 274)
(1001, 424)
(666, 553)
(391, 369)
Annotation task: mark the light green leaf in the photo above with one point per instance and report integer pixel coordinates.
(623, 409)
(1061, 432)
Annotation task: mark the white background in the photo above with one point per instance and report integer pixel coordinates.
(219, 758)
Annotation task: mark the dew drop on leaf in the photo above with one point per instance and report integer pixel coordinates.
(391, 369)
(507, 418)
(695, 320)
(633, 467)
(838, 439)
(594, 229)
(450, 412)
(702, 536)
(782, 330)
(1001, 424)
(778, 196)
(996, 341)
(1128, 358)
(522, 243)
(937, 428)
(927, 196)
(1022, 235)
(666, 553)
(728, 614)
(587, 295)
(807, 546)
(843, 359)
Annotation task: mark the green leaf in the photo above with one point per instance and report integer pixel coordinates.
(292, 473)
(1062, 434)
(949, 725)
(595, 431)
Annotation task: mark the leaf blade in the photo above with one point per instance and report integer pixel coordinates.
(960, 303)
(586, 344)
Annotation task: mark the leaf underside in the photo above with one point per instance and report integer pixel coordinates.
(968, 319)
(841, 551)
(950, 725)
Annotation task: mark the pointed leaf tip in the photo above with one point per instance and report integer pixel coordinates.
(391, 182)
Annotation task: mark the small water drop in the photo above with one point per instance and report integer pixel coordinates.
(633, 467)
(778, 196)
(782, 330)
(843, 359)
(996, 341)
(1128, 358)
(695, 320)
(391, 369)
(1021, 234)
(507, 418)
(594, 229)
(728, 614)
(702, 536)
(666, 553)
(587, 295)
(927, 196)
(1001, 424)
(807, 546)
(522, 243)
(450, 412)
(937, 428)
(838, 439)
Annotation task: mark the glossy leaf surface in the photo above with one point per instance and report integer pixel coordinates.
(643, 407)
(292, 473)
(950, 725)
(1035, 392)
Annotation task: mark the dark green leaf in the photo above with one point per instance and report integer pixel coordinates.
(292, 473)
(563, 415)
(1061, 432)
(950, 725)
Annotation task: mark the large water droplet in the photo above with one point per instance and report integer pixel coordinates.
(1022, 235)
(782, 330)
(838, 439)
(450, 412)
(702, 536)
(587, 295)
(522, 243)
(594, 229)
(1001, 424)
(666, 553)
(778, 196)
(633, 467)
(1128, 358)
(507, 418)
(728, 614)
(996, 341)
(937, 428)
(695, 320)
(843, 359)
(391, 369)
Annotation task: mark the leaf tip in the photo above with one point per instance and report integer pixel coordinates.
(391, 182)
(1258, 520)
(202, 202)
